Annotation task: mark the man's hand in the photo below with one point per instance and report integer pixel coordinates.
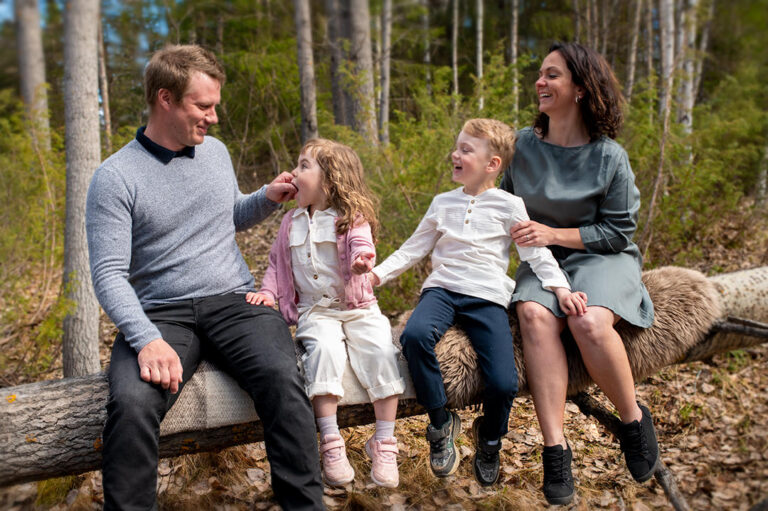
(159, 364)
(572, 303)
(363, 263)
(281, 189)
(375, 280)
(259, 299)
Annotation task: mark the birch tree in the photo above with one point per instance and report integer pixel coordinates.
(427, 56)
(363, 101)
(29, 39)
(306, 69)
(685, 116)
(667, 44)
(479, 53)
(81, 113)
(513, 58)
(386, 32)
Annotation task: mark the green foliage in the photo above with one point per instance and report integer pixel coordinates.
(53, 491)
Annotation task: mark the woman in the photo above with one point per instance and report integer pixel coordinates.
(580, 193)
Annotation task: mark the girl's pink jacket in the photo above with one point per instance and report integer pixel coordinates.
(278, 279)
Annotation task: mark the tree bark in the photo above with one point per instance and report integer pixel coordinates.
(53, 428)
(667, 43)
(576, 20)
(29, 40)
(335, 43)
(762, 181)
(427, 55)
(703, 46)
(687, 98)
(479, 53)
(455, 47)
(386, 46)
(81, 112)
(513, 57)
(632, 58)
(362, 97)
(104, 90)
(306, 70)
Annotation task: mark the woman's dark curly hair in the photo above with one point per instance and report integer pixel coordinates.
(602, 101)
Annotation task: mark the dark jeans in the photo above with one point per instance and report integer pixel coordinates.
(253, 344)
(487, 326)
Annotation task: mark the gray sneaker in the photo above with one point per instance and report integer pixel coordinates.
(443, 456)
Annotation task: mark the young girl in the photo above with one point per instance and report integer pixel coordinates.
(316, 272)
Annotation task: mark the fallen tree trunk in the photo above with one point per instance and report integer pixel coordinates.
(50, 429)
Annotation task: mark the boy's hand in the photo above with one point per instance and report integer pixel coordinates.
(363, 263)
(572, 303)
(259, 299)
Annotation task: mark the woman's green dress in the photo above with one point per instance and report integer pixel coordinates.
(591, 187)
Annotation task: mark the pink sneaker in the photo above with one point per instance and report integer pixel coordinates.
(336, 468)
(383, 454)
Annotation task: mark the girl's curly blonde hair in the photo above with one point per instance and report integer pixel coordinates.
(344, 184)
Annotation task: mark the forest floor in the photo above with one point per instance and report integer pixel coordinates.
(711, 419)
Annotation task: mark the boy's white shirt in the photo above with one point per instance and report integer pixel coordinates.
(469, 239)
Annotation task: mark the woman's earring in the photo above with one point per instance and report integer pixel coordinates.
(578, 98)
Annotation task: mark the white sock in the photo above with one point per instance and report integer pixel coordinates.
(327, 426)
(493, 442)
(384, 429)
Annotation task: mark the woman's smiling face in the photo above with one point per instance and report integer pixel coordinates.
(555, 87)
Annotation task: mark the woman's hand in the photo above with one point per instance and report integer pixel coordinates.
(532, 234)
(363, 263)
(572, 303)
(259, 299)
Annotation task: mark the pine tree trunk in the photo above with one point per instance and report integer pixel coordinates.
(513, 60)
(455, 47)
(576, 21)
(632, 58)
(29, 40)
(386, 35)
(427, 56)
(104, 91)
(306, 69)
(335, 42)
(363, 99)
(81, 112)
(667, 43)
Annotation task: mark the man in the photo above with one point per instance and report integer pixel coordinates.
(161, 219)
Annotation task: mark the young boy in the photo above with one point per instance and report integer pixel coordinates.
(467, 230)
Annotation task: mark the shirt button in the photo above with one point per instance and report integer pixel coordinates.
(469, 211)
(472, 201)
(466, 221)
(309, 254)
(314, 276)
(342, 256)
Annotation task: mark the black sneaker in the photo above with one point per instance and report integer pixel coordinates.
(443, 457)
(486, 460)
(558, 480)
(640, 447)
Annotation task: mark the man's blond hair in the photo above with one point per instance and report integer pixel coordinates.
(500, 137)
(172, 67)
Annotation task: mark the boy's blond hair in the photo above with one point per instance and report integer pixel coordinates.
(500, 137)
(344, 183)
(172, 67)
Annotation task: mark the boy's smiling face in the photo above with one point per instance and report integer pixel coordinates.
(472, 163)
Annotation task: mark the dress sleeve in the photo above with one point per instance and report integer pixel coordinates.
(108, 225)
(617, 214)
(415, 248)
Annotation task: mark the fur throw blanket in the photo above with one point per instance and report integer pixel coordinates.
(686, 305)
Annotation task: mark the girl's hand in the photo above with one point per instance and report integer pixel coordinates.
(259, 299)
(573, 304)
(532, 234)
(363, 263)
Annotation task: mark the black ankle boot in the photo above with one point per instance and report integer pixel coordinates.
(558, 480)
(640, 447)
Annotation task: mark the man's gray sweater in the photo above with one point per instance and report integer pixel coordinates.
(162, 233)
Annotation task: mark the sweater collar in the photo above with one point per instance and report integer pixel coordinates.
(163, 154)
